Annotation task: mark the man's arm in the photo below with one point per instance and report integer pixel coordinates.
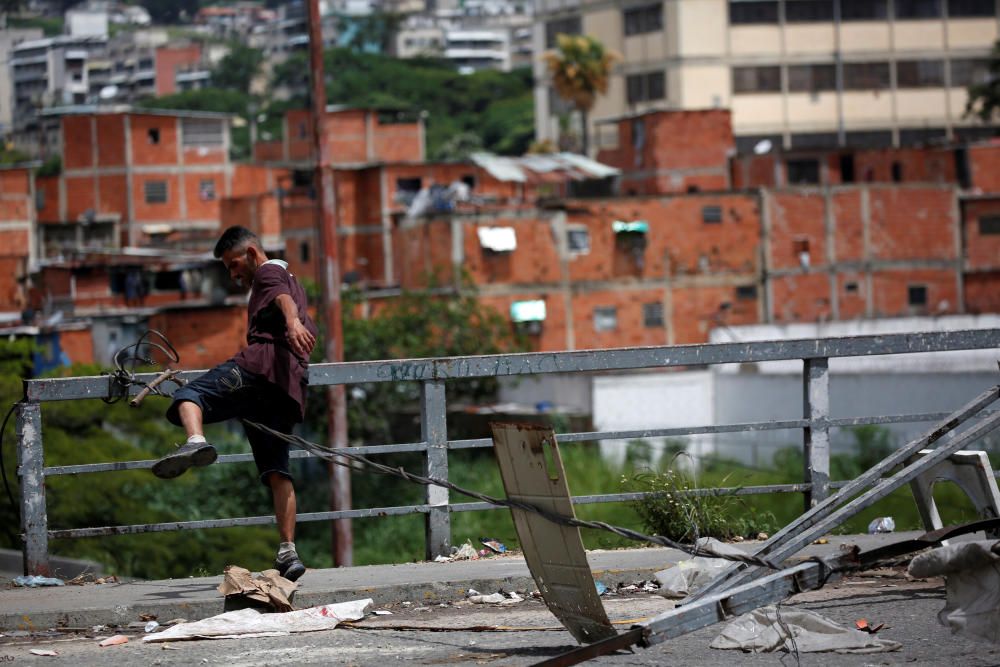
(300, 338)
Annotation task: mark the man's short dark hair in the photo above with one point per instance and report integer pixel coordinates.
(235, 237)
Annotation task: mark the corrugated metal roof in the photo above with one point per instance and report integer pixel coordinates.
(500, 168)
(548, 165)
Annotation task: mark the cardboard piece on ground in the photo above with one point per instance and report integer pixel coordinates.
(268, 587)
(245, 623)
(533, 473)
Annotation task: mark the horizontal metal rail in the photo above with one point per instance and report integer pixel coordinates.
(537, 363)
(434, 446)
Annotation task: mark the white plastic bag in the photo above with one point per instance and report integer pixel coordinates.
(689, 575)
(765, 630)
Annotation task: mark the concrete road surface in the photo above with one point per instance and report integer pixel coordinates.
(461, 633)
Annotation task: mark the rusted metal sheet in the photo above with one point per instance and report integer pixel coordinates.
(533, 473)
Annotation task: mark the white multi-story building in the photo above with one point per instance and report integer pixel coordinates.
(800, 73)
(9, 38)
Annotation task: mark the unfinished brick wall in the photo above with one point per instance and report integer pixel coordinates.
(984, 167)
(673, 151)
(78, 344)
(172, 59)
(981, 245)
(203, 336)
(353, 136)
(17, 212)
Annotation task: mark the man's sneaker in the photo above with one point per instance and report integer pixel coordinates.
(187, 455)
(289, 566)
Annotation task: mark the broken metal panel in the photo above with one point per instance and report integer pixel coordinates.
(832, 512)
(533, 473)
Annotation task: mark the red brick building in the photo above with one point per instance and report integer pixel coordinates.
(17, 249)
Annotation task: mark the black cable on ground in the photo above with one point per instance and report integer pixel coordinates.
(331, 455)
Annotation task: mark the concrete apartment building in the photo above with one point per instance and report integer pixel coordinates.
(799, 73)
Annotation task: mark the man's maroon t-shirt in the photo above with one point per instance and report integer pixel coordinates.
(268, 352)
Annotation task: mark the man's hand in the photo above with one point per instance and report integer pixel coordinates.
(300, 338)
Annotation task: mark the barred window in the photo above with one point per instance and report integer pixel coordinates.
(206, 189)
(155, 192)
(866, 76)
(639, 20)
(917, 295)
(763, 79)
(652, 314)
(989, 224)
(808, 11)
(920, 73)
(803, 171)
(202, 132)
(811, 78)
(711, 214)
(747, 13)
(645, 87)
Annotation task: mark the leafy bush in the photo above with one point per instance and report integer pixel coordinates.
(673, 512)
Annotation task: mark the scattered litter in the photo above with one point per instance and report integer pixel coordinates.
(151, 627)
(34, 580)
(601, 588)
(822, 540)
(98, 629)
(88, 578)
(762, 536)
(408, 603)
(494, 545)
(114, 641)
(495, 598)
(471, 592)
(268, 587)
(42, 651)
(443, 559)
(175, 621)
(688, 575)
(972, 581)
(252, 623)
(863, 625)
(170, 647)
(147, 617)
(883, 524)
(796, 630)
(382, 612)
(512, 598)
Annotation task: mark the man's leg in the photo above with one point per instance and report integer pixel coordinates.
(190, 414)
(283, 493)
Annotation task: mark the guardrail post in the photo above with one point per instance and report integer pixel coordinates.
(30, 464)
(816, 408)
(434, 431)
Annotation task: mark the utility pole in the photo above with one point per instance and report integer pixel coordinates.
(342, 538)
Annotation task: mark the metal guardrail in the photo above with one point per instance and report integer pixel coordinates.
(433, 374)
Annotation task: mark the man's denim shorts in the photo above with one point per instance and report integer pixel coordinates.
(231, 392)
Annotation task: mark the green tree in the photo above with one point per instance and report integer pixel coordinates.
(984, 96)
(580, 67)
(236, 71)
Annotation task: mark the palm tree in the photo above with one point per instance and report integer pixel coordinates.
(580, 68)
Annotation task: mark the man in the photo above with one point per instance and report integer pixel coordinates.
(265, 382)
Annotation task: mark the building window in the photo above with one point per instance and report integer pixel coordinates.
(918, 9)
(153, 135)
(469, 180)
(808, 11)
(866, 76)
(803, 171)
(711, 214)
(864, 10)
(920, 74)
(605, 318)
(921, 136)
(869, 139)
(989, 224)
(202, 132)
(578, 240)
(640, 20)
(155, 192)
(897, 171)
(806, 140)
(304, 251)
(811, 78)
(40, 199)
(963, 8)
(917, 295)
(652, 315)
(646, 87)
(851, 288)
(571, 25)
(746, 292)
(206, 189)
(765, 79)
(746, 13)
(967, 72)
